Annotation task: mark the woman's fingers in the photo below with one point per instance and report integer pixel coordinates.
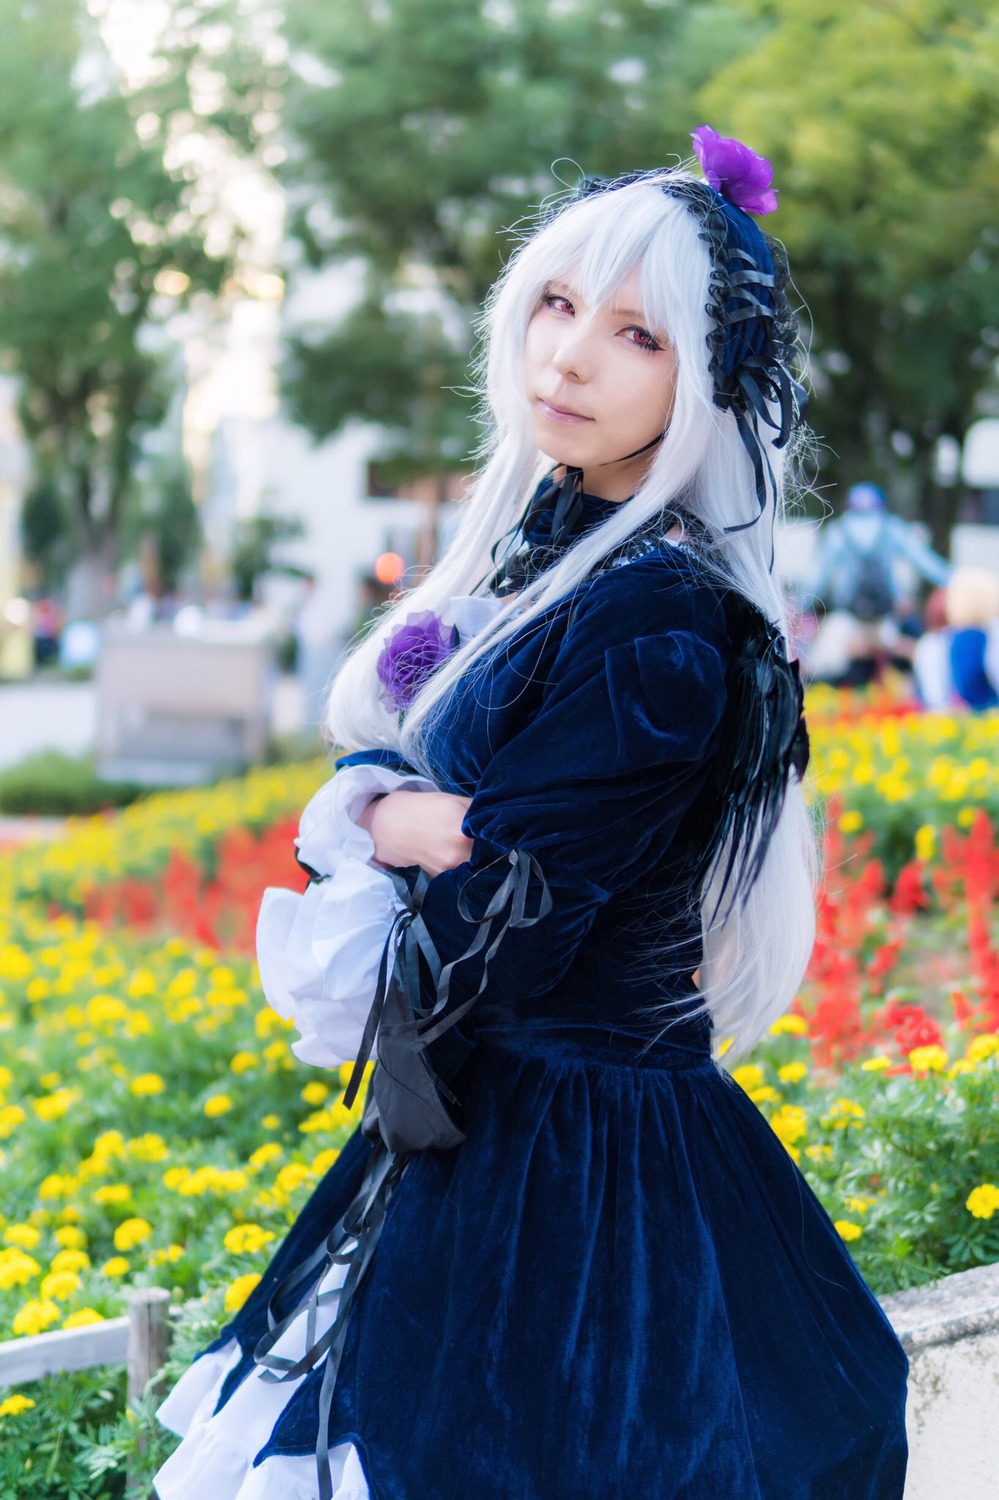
(418, 828)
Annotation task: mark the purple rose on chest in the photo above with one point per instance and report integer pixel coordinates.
(413, 651)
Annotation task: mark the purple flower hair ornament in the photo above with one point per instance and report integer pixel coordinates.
(732, 169)
(413, 651)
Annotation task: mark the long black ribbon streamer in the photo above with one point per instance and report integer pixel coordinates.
(353, 1239)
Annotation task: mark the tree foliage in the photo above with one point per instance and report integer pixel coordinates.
(100, 239)
(882, 122)
(422, 132)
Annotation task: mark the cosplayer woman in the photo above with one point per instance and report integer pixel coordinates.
(568, 858)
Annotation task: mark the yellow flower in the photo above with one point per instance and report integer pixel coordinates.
(847, 1230)
(54, 1106)
(35, 1316)
(82, 1317)
(17, 1268)
(168, 1257)
(271, 1122)
(183, 983)
(141, 984)
(11, 1115)
(131, 1232)
(24, 1235)
(315, 1092)
(766, 1095)
(112, 1193)
(749, 1076)
(851, 821)
(268, 1152)
(244, 1061)
(845, 1112)
(875, 1064)
(12, 1406)
(116, 1266)
(792, 1072)
(983, 1201)
(175, 1177)
(146, 1084)
(239, 1291)
(70, 1238)
(926, 842)
(218, 1104)
(322, 1163)
(60, 1285)
(71, 1260)
(105, 1010)
(57, 1185)
(246, 1239)
(789, 1025)
(291, 1177)
(928, 1059)
(982, 1047)
(789, 1123)
(859, 1205)
(149, 1147)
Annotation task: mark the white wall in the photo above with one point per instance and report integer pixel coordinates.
(951, 1334)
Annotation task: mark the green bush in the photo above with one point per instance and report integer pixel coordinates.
(51, 784)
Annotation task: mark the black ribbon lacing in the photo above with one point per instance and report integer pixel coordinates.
(404, 1114)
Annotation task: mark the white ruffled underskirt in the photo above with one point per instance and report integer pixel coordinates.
(216, 1455)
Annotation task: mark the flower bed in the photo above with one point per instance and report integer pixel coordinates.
(133, 1023)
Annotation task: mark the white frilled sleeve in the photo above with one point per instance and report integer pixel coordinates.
(319, 952)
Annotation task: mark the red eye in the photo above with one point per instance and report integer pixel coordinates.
(644, 339)
(557, 302)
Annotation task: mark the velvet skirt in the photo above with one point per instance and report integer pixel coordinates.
(620, 1284)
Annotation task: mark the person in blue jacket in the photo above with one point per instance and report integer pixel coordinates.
(565, 1255)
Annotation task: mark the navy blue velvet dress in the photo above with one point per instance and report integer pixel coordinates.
(620, 1283)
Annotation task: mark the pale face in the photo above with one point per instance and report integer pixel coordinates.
(600, 385)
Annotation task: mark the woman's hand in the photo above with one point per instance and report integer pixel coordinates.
(418, 828)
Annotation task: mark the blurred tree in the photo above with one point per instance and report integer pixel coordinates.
(253, 555)
(47, 533)
(101, 242)
(419, 129)
(882, 121)
(162, 524)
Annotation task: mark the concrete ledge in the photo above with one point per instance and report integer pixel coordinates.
(957, 1307)
(950, 1331)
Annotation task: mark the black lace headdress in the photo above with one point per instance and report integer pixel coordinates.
(753, 334)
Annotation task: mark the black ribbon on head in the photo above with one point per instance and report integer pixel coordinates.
(754, 331)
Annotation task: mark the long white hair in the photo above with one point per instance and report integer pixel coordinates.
(756, 950)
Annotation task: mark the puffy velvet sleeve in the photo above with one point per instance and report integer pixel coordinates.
(597, 782)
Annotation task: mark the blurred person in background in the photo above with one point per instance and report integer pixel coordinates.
(869, 568)
(564, 864)
(956, 662)
(46, 627)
